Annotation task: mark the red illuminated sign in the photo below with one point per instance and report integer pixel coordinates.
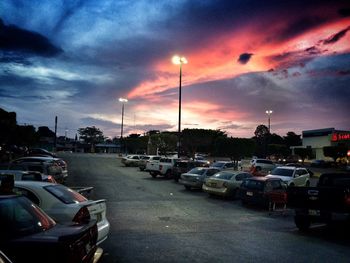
(340, 137)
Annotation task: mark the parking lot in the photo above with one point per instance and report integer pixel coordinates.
(157, 220)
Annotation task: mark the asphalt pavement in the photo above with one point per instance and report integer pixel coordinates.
(157, 220)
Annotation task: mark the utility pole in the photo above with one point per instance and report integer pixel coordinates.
(55, 141)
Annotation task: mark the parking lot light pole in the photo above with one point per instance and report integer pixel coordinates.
(123, 101)
(269, 112)
(177, 60)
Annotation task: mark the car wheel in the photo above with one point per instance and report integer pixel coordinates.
(154, 175)
(292, 184)
(141, 168)
(302, 222)
(188, 187)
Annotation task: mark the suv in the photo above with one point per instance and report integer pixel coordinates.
(292, 176)
(264, 164)
(146, 159)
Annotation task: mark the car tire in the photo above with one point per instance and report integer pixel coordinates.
(302, 222)
(153, 174)
(168, 174)
(187, 187)
(292, 184)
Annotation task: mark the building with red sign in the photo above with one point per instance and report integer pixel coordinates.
(317, 139)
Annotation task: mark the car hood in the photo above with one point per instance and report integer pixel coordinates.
(283, 178)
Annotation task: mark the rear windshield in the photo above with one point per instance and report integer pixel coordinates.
(218, 165)
(223, 175)
(253, 184)
(197, 170)
(20, 217)
(282, 172)
(65, 194)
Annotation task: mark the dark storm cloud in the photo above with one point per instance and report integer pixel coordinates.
(345, 12)
(68, 9)
(14, 38)
(336, 37)
(244, 58)
(299, 26)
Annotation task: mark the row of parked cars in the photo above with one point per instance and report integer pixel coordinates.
(262, 182)
(255, 183)
(44, 219)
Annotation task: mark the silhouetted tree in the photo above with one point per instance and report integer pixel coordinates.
(91, 135)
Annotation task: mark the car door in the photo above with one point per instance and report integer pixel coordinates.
(302, 176)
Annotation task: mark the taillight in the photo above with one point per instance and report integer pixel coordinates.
(51, 179)
(225, 184)
(347, 199)
(83, 216)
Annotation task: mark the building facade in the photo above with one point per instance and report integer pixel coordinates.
(317, 139)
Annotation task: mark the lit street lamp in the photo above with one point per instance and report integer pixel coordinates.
(269, 112)
(179, 61)
(123, 101)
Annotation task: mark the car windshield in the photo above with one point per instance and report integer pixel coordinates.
(282, 172)
(218, 164)
(65, 194)
(223, 175)
(197, 170)
(20, 217)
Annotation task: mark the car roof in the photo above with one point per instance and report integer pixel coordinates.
(288, 167)
(35, 184)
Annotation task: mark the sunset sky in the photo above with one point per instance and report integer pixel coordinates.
(74, 59)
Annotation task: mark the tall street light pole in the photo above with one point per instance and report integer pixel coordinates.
(177, 60)
(123, 101)
(269, 112)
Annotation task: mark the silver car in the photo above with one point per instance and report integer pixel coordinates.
(225, 183)
(196, 177)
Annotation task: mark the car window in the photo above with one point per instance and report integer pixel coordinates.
(282, 172)
(36, 168)
(239, 177)
(197, 170)
(223, 175)
(19, 217)
(253, 184)
(65, 194)
(135, 157)
(210, 172)
(276, 185)
(24, 192)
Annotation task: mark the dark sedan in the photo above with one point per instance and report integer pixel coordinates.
(30, 235)
(262, 191)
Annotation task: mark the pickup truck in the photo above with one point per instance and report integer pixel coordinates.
(329, 201)
(164, 167)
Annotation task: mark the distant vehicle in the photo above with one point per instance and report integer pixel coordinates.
(29, 235)
(262, 191)
(292, 176)
(264, 164)
(146, 159)
(225, 183)
(164, 167)
(131, 160)
(222, 165)
(183, 166)
(196, 177)
(320, 163)
(64, 204)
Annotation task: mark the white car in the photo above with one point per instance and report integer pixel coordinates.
(291, 175)
(131, 160)
(65, 205)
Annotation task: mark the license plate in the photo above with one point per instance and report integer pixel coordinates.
(249, 193)
(314, 212)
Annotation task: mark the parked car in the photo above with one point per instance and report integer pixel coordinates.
(183, 166)
(292, 176)
(225, 183)
(131, 160)
(262, 190)
(328, 202)
(40, 152)
(27, 176)
(29, 235)
(164, 167)
(196, 177)
(64, 204)
(49, 168)
(222, 165)
(40, 159)
(263, 165)
(146, 159)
